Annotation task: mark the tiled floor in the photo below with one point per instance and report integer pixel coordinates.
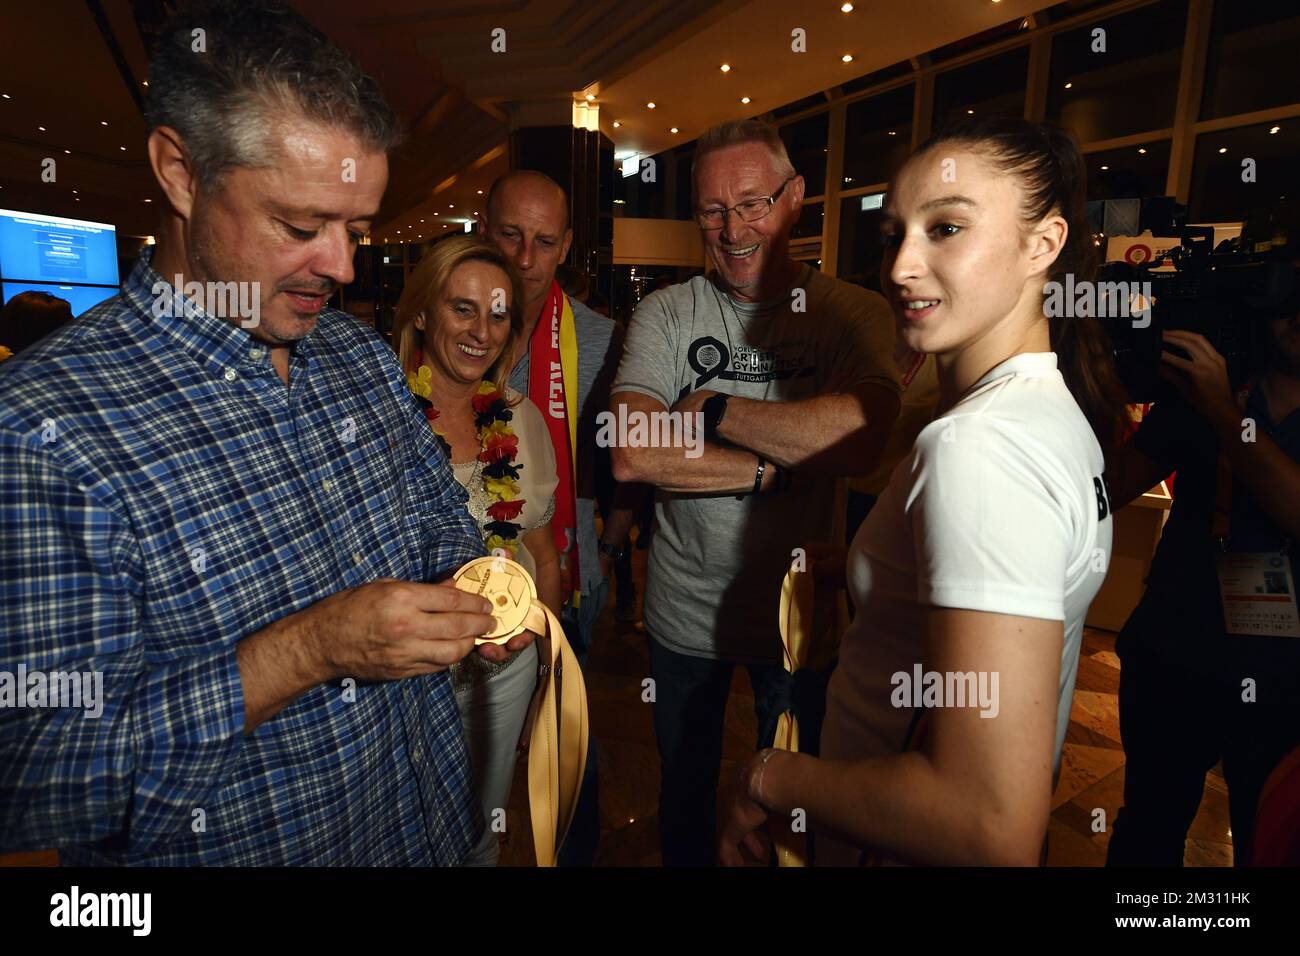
(1092, 771)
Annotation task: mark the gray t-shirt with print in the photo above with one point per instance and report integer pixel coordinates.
(717, 561)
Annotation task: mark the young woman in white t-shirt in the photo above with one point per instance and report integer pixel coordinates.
(974, 571)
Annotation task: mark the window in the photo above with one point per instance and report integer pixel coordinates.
(806, 141)
(868, 80)
(981, 39)
(798, 106)
(991, 87)
(860, 248)
(877, 137)
(809, 224)
(1134, 172)
(1219, 193)
(1123, 80)
(1251, 60)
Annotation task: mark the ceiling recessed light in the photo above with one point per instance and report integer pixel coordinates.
(1275, 129)
(41, 128)
(146, 82)
(673, 130)
(5, 95)
(1223, 149)
(650, 105)
(590, 97)
(148, 200)
(970, 112)
(480, 192)
(744, 99)
(67, 152)
(846, 8)
(122, 148)
(892, 133)
(725, 68)
(1105, 167)
(617, 124)
(103, 122)
(1142, 150)
(847, 58)
(451, 205)
(1068, 85)
(421, 220)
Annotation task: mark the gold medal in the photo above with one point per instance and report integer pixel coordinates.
(512, 592)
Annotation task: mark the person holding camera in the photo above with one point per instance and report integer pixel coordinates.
(1209, 675)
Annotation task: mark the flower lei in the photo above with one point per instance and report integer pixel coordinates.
(500, 447)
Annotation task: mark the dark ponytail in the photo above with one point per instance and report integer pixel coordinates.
(1046, 161)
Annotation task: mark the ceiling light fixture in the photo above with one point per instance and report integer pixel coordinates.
(744, 99)
(725, 68)
(617, 124)
(1068, 85)
(847, 58)
(1274, 129)
(103, 122)
(650, 105)
(590, 97)
(673, 130)
(846, 8)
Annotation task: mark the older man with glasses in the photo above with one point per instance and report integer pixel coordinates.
(789, 372)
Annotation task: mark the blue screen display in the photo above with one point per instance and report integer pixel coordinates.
(36, 248)
(80, 297)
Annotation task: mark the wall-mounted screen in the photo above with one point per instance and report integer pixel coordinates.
(39, 248)
(80, 297)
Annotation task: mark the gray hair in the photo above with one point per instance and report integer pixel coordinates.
(224, 89)
(739, 132)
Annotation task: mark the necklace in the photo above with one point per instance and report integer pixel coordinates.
(498, 449)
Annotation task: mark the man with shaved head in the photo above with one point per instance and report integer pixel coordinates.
(571, 354)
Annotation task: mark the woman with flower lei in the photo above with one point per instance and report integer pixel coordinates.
(457, 329)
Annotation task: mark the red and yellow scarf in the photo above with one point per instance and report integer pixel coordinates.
(552, 385)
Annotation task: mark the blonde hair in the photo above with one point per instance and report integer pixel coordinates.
(425, 286)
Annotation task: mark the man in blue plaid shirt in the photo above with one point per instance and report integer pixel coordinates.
(231, 508)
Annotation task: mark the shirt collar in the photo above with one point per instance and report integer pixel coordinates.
(1030, 364)
(215, 343)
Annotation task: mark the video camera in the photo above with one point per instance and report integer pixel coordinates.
(1224, 293)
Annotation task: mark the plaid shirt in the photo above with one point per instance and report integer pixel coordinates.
(162, 496)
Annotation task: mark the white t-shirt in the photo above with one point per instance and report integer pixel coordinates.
(999, 507)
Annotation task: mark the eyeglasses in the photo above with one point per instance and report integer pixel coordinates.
(751, 210)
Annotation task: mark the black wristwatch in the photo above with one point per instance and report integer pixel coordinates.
(606, 548)
(714, 407)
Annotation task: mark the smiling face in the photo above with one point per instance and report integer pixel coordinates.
(293, 227)
(460, 334)
(960, 267)
(744, 252)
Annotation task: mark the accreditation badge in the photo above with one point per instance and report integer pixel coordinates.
(1258, 594)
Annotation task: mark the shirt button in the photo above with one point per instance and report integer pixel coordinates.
(230, 375)
(356, 557)
(327, 485)
(257, 352)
